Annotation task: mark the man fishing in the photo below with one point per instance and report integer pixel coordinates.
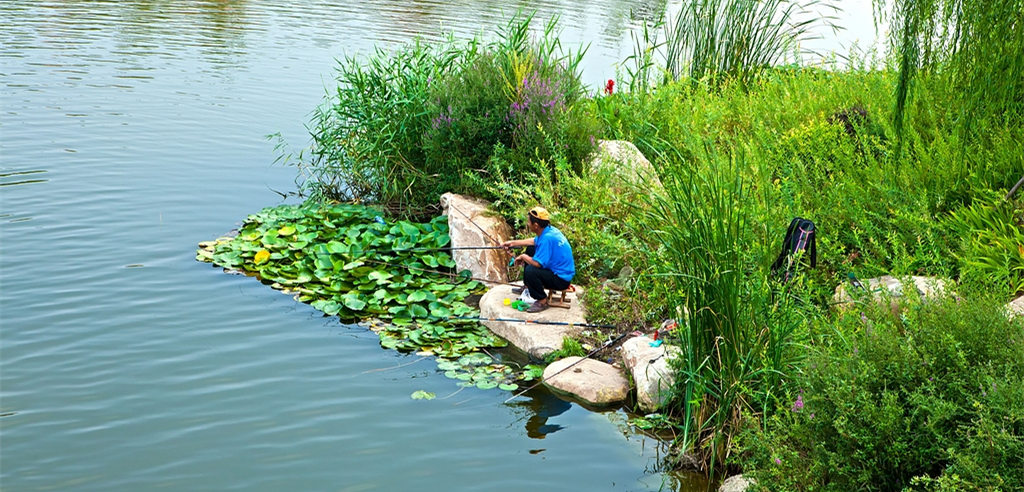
(547, 263)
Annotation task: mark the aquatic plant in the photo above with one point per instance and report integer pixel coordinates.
(347, 261)
(736, 38)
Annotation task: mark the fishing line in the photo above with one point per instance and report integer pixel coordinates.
(438, 272)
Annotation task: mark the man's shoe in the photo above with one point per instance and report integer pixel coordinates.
(517, 290)
(536, 307)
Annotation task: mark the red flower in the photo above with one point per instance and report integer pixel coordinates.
(609, 88)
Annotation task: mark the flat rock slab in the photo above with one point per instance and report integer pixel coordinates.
(889, 288)
(471, 224)
(650, 370)
(592, 381)
(537, 340)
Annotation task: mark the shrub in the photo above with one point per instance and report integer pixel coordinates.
(404, 127)
(932, 397)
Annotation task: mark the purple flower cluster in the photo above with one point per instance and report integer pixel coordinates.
(799, 403)
(443, 119)
(539, 98)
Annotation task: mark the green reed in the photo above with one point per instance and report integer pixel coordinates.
(736, 37)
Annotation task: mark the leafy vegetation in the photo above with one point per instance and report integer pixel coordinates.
(770, 378)
(346, 261)
(932, 398)
(406, 126)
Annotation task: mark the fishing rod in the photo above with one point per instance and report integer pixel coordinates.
(603, 346)
(438, 272)
(530, 321)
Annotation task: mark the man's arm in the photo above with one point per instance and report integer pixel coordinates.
(518, 243)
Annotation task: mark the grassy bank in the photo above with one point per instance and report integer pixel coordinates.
(773, 379)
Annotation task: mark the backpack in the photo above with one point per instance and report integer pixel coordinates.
(799, 237)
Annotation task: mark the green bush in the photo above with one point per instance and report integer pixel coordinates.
(933, 397)
(404, 127)
(992, 233)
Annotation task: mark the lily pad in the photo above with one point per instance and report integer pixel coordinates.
(423, 395)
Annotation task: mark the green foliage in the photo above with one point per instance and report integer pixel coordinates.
(570, 348)
(992, 233)
(367, 135)
(404, 127)
(346, 261)
(971, 46)
(933, 397)
(735, 38)
(738, 337)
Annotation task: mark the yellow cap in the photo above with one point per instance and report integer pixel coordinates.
(540, 213)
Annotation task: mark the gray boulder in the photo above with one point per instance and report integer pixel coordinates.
(591, 381)
(649, 367)
(1016, 307)
(534, 339)
(625, 161)
(889, 289)
(471, 224)
(737, 483)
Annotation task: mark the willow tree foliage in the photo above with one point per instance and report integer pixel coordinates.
(977, 46)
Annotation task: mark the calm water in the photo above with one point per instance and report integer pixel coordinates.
(130, 131)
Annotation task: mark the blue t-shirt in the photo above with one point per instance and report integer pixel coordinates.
(554, 253)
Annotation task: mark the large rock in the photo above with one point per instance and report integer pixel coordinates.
(534, 339)
(889, 289)
(651, 374)
(737, 483)
(626, 162)
(592, 381)
(1016, 306)
(470, 224)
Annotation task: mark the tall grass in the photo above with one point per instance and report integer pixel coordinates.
(736, 341)
(737, 38)
(403, 127)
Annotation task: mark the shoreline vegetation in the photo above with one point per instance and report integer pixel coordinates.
(904, 165)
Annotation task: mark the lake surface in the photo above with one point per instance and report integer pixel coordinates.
(131, 130)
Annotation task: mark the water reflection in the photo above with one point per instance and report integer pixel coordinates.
(540, 406)
(14, 177)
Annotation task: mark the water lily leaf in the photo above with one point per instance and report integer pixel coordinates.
(423, 395)
(286, 231)
(337, 247)
(419, 311)
(409, 230)
(379, 276)
(447, 365)
(352, 264)
(485, 384)
(353, 302)
(508, 386)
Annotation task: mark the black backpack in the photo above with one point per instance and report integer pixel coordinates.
(799, 237)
